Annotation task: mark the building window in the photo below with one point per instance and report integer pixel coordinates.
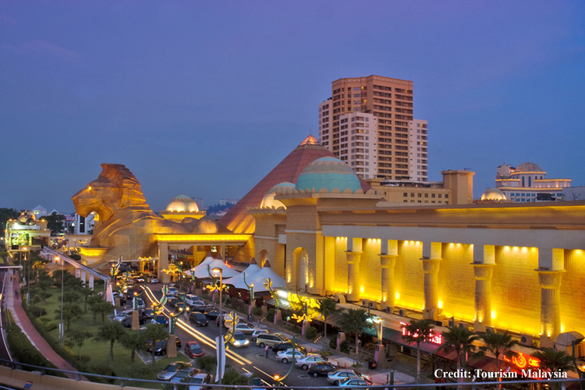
(405, 194)
(446, 196)
(420, 195)
(432, 196)
(412, 194)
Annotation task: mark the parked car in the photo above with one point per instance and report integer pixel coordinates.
(311, 359)
(245, 328)
(180, 306)
(122, 315)
(127, 322)
(287, 345)
(152, 279)
(321, 369)
(169, 371)
(173, 302)
(140, 279)
(149, 313)
(193, 349)
(199, 308)
(160, 319)
(256, 332)
(336, 377)
(121, 296)
(238, 339)
(140, 303)
(287, 356)
(357, 382)
(172, 291)
(270, 339)
(160, 347)
(198, 382)
(184, 375)
(190, 299)
(212, 314)
(198, 319)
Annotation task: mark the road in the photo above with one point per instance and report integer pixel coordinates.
(248, 359)
(3, 348)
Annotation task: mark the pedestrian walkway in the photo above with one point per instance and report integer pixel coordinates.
(14, 304)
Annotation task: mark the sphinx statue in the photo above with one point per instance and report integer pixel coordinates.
(126, 225)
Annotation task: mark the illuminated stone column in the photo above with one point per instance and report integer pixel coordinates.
(431, 263)
(550, 271)
(78, 273)
(483, 296)
(484, 259)
(83, 276)
(91, 281)
(163, 262)
(354, 256)
(388, 257)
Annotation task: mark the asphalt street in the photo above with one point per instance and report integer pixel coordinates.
(247, 359)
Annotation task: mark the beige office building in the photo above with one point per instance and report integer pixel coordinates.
(387, 99)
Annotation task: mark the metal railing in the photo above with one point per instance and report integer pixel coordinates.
(124, 381)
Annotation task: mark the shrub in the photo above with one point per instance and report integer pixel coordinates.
(104, 370)
(85, 358)
(75, 256)
(207, 363)
(344, 346)
(333, 342)
(270, 315)
(51, 326)
(38, 311)
(311, 333)
(257, 311)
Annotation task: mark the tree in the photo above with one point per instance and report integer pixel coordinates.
(5, 215)
(55, 223)
(79, 337)
(71, 312)
(134, 341)
(352, 322)
(86, 293)
(498, 343)
(71, 297)
(461, 340)
(326, 308)
(101, 307)
(152, 334)
(112, 332)
(553, 360)
(38, 266)
(418, 331)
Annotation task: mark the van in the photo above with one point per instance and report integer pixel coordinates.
(270, 339)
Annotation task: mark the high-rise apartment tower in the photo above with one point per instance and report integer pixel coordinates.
(376, 135)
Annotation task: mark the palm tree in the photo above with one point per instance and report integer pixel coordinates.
(553, 360)
(112, 332)
(152, 334)
(418, 331)
(326, 308)
(86, 293)
(71, 312)
(498, 343)
(133, 341)
(352, 322)
(79, 337)
(461, 340)
(102, 307)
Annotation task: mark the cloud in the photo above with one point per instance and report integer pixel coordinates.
(5, 19)
(36, 46)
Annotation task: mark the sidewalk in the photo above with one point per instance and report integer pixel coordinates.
(15, 306)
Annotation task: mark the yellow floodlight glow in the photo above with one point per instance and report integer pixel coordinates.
(397, 295)
(493, 314)
(440, 304)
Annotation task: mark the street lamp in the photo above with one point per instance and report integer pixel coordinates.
(215, 272)
(62, 278)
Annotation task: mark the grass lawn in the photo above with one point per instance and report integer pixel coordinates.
(98, 351)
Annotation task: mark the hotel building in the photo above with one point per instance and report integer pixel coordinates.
(396, 144)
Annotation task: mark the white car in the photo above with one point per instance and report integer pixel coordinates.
(199, 382)
(310, 359)
(172, 292)
(245, 328)
(140, 303)
(286, 356)
(342, 374)
(256, 333)
(192, 300)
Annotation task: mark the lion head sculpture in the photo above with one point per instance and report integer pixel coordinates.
(126, 225)
(115, 188)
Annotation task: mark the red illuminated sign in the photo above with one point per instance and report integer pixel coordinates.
(436, 337)
(523, 361)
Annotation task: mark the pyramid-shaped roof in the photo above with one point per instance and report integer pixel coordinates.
(289, 169)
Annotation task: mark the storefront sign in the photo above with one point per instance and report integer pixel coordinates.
(523, 361)
(436, 337)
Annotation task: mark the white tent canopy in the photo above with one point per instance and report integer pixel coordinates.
(238, 280)
(258, 278)
(203, 269)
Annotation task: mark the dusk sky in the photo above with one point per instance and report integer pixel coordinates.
(205, 98)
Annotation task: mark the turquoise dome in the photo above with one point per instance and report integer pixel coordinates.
(329, 173)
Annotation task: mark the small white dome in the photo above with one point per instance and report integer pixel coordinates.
(183, 204)
(493, 194)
